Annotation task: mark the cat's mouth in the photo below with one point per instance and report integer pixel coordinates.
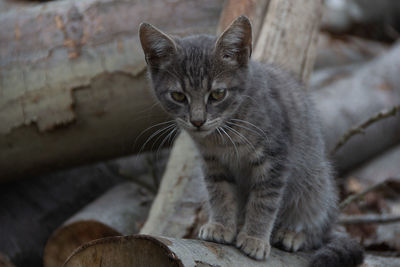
(202, 131)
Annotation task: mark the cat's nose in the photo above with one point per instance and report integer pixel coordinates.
(197, 123)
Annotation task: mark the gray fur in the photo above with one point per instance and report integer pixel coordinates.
(267, 175)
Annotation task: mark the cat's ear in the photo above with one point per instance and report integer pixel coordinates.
(158, 47)
(235, 44)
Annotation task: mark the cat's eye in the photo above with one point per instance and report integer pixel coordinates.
(178, 96)
(218, 94)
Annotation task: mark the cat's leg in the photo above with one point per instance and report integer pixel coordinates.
(222, 224)
(306, 216)
(261, 210)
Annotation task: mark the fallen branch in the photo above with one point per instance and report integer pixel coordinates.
(360, 195)
(362, 126)
(369, 218)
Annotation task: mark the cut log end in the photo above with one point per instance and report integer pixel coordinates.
(5, 261)
(66, 239)
(136, 250)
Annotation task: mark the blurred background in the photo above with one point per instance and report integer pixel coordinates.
(82, 149)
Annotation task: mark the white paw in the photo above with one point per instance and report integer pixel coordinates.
(217, 232)
(290, 240)
(253, 247)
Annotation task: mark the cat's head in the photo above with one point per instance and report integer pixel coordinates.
(199, 80)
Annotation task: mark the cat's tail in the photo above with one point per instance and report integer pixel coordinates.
(340, 250)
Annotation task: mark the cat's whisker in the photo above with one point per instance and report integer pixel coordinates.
(233, 143)
(241, 136)
(261, 131)
(151, 127)
(220, 134)
(250, 130)
(149, 108)
(176, 129)
(249, 123)
(163, 142)
(160, 136)
(175, 135)
(153, 135)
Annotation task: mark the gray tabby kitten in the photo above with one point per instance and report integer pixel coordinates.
(266, 172)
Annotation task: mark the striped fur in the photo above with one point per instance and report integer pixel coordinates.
(267, 176)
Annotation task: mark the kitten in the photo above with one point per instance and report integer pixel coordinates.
(266, 173)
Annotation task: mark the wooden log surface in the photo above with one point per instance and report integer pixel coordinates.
(254, 9)
(378, 169)
(73, 87)
(349, 101)
(288, 35)
(122, 210)
(177, 205)
(284, 32)
(149, 251)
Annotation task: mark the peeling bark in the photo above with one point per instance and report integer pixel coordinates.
(73, 87)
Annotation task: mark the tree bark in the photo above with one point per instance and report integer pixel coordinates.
(73, 87)
(142, 250)
(120, 211)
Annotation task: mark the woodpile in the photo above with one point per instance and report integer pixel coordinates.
(74, 90)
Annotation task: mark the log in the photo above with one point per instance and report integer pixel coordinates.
(347, 102)
(254, 9)
(368, 18)
(335, 51)
(32, 209)
(270, 25)
(120, 211)
(379, 168)
(177, 205)
(288, 36)
(73, 87)
(143, 250)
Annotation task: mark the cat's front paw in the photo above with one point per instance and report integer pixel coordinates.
(289, 240)
(217, 232)
(253, 247)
